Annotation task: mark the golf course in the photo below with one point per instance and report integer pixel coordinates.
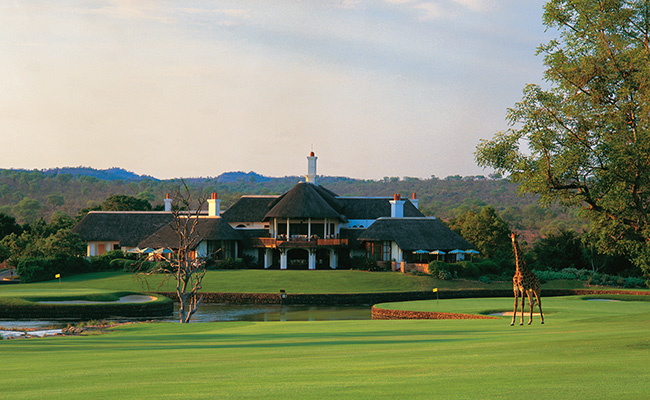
(589, 347)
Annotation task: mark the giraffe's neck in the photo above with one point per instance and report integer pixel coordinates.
(520, 265)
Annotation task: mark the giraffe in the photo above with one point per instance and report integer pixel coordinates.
(524, 283)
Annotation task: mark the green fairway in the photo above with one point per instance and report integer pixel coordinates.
(586, 349)
(271, 281)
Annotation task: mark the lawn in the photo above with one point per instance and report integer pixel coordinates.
(271, 281)
(586, 349)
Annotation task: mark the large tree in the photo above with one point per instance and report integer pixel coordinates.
(584, 139)
(485, 230)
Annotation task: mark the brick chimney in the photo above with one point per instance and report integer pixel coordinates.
(397, 206)
(214, 205)
(168, 203)
(415, 201)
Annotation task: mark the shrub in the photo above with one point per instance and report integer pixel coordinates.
(488, 267)
(444, 275)
(227, 263)
(484, 279)
(364, 264)
(436, 266)
(38, 269)
(104, 262)
(468, 270)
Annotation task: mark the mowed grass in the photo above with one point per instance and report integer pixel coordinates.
(254, 281)
(271, 281)
(586, 349)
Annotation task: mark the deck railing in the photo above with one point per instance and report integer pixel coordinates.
(298, 241)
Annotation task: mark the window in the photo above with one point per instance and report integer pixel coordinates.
(386, 251)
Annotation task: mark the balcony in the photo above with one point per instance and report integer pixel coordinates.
(298, 241)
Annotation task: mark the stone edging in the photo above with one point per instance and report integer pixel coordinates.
(382, 313)
(333, 299)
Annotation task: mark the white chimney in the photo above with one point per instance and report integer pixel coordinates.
(168, 203)
(415, 201)
(397, 207)
(311, 169)
(214, 205)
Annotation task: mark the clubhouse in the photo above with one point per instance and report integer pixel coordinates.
(308, 227)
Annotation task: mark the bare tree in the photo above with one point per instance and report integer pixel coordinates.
(185, 266)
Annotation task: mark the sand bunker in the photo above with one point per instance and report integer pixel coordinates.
(134, 298)
(509, 313)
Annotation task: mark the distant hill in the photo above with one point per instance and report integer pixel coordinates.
(239, 176)
(110, 174)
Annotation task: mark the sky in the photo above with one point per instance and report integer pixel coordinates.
(195, 88)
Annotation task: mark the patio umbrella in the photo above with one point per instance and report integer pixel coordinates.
(457, 252)
(163, 251)
(420, 252)
(471, 253)
(438, 253)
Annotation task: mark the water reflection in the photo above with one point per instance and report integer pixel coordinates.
(276, 312)
(229, 312)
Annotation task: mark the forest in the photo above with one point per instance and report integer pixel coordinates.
(28, 195)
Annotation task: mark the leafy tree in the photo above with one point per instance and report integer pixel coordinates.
(588, 134)
(63, 243)
(485, 230)
(8, 225)
(563, 249)
(5, 252)
(27, 210)
(120, 202)
(55, 200)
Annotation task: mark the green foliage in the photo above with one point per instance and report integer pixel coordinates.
(485, 230)
(488, 267)
(37, 269)
(104, 262)
(366, 264)
(27, 210)
(588, 135)
(8, 226)
(119, 202)
(592, 278)
(561, 250)
(226, 263)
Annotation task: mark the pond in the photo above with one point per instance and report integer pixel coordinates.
(229, 312)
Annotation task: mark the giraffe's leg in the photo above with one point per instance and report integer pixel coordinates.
(539, 304)
(530, 303)
(523, 304)
(514, 313)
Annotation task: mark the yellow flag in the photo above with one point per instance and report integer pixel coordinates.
(57, 276)
(435, 290)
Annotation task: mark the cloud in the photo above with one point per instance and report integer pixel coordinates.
(477, 5)
(429, 11)
(435, 10)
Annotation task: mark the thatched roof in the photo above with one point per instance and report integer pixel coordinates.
(373, 207)
(415, 234)
(306, 200)
(249, 209)
(126, 227)
(206, 229)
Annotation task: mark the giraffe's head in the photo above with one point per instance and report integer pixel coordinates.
(513, 236)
